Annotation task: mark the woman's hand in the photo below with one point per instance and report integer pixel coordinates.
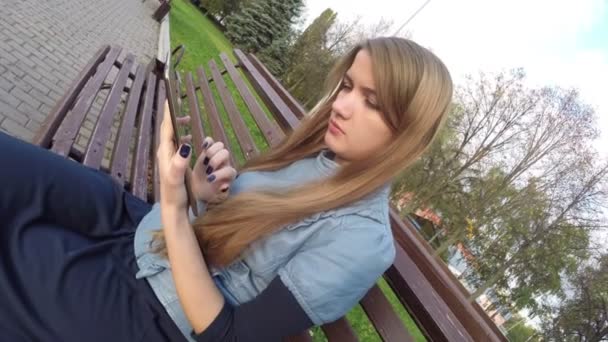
(172, 168)
(196, 290)
(213, 173)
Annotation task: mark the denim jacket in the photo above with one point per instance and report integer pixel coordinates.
(328, 260)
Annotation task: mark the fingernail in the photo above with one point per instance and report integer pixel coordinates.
(184, 151)
(205, 144)
(206, 161)
(209, 170)
(211, 178)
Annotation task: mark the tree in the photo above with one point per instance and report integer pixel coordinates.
(310, 60)
(259, 23)
(220, 8)
(345, 34)
(583, 316)
(519, 331)
(517, 165)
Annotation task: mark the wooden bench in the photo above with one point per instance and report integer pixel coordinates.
(421, 282)
(162, 10)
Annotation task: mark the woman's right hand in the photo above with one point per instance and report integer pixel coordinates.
(212, 174)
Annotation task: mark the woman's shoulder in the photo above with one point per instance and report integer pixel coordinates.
(360, 226)
(373, 207)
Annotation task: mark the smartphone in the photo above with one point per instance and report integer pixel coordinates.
(171, 89)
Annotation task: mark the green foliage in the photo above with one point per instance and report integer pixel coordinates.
(583, 316)
(221, 8)
(259, 23)
(310, 60)
(508, 184)
(518, 331)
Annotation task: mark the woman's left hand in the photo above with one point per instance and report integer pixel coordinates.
(172, 168)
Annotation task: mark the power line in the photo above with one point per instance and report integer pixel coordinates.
(411, 17)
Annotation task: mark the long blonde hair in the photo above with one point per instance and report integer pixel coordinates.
(414, 90)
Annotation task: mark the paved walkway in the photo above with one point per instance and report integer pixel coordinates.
(44, 44)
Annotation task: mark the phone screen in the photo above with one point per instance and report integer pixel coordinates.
(172, 98)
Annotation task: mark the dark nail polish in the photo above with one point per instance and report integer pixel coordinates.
(184, 151)
(211, 178)
(209, 170)
(206, 161)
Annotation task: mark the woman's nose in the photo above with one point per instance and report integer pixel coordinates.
(343, 105)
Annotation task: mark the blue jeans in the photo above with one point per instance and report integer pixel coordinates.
(67, 268)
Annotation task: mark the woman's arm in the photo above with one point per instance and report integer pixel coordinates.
(198, 295)
(275, 313)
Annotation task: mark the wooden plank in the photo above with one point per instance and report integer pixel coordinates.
(303, 337)
(445, 285)
(471, 315)
(240, 128)
(120, 154)
(339, 331)
(386, 321)
(219, 134)
(293, 104)
(282, 113)
(101, 133)
(49, 127)
(196, 124)
(65, 136)
(431, 313)
(142, 156)
(271, 132)
(161, 95)
(118, 64)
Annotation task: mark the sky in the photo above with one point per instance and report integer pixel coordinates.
(557, 42)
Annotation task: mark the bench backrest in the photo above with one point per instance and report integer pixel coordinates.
(124, 137)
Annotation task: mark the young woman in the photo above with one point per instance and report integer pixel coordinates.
(300, 239)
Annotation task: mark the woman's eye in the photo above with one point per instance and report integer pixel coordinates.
(371, 105)
(346, 86)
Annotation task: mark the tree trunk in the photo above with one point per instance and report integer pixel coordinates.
(435, 236)
(444, 246)
(497, 274)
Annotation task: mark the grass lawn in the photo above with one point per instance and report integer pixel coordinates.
(203, 42)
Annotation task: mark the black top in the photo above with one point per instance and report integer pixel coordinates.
(271, 316)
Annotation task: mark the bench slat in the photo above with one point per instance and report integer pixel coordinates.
(293, 104)
(271, 132)
(282, 113)
(95, 150)
(339, 331)
(388, 325)
(140, 162)
(240, 128)
(445, 286)
(120, 154)
(431, 313)
(55, 117)
(219, 134)
(198, 133)
(65, 136)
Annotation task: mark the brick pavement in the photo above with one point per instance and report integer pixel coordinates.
(43, 45)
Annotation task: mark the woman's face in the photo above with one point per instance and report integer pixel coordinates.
(357, 129)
